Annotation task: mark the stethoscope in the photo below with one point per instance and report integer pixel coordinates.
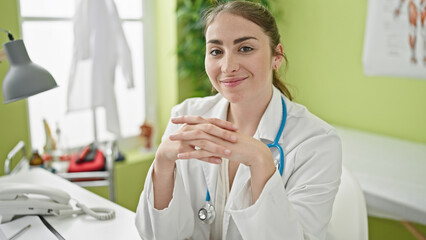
(207, 213)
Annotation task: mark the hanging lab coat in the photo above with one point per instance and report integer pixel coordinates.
(99, 47)
(296, 205)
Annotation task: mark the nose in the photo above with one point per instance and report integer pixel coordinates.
(229, 63)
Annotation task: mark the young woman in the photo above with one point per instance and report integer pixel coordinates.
(215, 174)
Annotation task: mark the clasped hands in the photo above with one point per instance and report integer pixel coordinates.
(210, 140)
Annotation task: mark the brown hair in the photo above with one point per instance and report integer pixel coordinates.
(259, 15)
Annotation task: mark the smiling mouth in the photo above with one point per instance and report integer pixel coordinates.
(232, 82)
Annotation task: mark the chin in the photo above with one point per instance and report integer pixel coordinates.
(233, 97)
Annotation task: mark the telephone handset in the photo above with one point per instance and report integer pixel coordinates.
(30, 199)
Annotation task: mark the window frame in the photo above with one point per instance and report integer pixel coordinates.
(149, 74)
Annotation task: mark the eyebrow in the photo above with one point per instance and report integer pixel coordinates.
(236, 41)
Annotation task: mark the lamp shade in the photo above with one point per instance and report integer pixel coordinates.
(24, 78)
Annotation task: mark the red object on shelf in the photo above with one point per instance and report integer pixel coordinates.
(46, 157)
(83, 154)
(97, 164)
(146, 133)
(65, 157)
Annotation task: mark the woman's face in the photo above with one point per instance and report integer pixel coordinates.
(238, 59)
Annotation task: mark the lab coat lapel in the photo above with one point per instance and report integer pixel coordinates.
(241, 179)
(210, 173)
(266, 132)
(210, 170)
(271, 120)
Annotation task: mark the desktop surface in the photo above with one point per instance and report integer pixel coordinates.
(81, 226)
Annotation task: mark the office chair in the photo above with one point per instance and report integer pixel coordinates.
(349, 219)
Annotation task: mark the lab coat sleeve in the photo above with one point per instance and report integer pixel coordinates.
(301, 209)
(174, 222)
(82, 29)
(124, 56)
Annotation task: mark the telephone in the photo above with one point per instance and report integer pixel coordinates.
(29, 199)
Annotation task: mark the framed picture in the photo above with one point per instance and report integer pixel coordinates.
(395, 39)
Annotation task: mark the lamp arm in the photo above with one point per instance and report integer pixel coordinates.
(2, 52)
(8, 34)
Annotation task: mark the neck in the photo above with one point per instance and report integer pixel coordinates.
(247, 115)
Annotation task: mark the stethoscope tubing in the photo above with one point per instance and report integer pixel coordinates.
(277, 138)
(208, 196)
(274, 144)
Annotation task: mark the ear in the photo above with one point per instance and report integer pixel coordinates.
(278, 57)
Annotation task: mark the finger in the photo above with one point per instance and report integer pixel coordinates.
(199, 154)
(206, 149)
(215, 160)
(207, 156)
(198, 120)
(204, 131)
(188, 119)
(223, 124)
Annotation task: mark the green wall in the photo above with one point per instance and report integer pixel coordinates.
(13, 116)
(324, 44)
(167, 88)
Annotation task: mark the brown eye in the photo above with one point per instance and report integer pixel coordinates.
(215, 52)
(246, 49)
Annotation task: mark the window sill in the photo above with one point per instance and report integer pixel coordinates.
(133, 151)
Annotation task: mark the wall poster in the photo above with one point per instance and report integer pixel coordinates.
(395, 38)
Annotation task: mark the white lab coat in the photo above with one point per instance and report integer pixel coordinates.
(294, 206)
(99, 47)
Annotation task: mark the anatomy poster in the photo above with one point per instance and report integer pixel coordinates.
(395, 38)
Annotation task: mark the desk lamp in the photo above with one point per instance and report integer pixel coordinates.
(24, 78)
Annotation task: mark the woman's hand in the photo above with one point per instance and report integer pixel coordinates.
(211, 139)
(207, 134)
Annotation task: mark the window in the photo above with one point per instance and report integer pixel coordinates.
(47, 30)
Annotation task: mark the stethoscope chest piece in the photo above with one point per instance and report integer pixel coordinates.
(206, 213)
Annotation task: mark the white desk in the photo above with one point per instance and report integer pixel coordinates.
(391, 172)
(83, 226)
